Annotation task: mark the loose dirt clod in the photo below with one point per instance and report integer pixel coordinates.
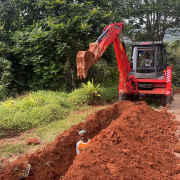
(129, 141)
(32, 141)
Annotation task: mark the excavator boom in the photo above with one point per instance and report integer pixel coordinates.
(85, 59)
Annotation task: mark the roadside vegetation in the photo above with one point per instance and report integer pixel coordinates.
(42, 107)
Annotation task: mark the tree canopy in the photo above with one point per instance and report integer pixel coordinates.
(148, 19)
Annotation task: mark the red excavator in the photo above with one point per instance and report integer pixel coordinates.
(136, 77)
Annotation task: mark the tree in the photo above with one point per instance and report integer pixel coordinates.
(148, 19)
(174, 61)
(43, 48)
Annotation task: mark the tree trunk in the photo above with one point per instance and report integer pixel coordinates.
(72, 71)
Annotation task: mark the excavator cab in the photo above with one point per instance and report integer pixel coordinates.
(157, 59)
(155, 78)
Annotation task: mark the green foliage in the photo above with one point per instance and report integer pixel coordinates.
(78, 97)
(100, 71)
(114, 76)
(5, 75)
(91, 88)
(92, 91)
(36, 109)
(109, 90)
(147, 20)
(174, 61)
(40, 44)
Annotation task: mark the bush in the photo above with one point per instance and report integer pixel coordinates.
(78, 97)
(36, 109)
(108, 91)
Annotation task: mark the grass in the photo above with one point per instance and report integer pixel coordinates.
(8, 150)
(37, 108)
(43, 107)
(49, 132)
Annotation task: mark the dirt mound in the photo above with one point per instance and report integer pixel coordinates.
(138, 145)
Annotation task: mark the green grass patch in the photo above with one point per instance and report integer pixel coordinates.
(38, 108)
(8, 150)
(54, 128)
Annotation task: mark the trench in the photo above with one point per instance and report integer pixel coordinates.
(129, 141)
(54, 160)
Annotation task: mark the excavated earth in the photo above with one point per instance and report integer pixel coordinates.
(129, 141)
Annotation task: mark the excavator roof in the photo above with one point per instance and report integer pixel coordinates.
(147, 43)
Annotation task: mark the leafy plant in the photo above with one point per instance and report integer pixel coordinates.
(5, 76)
(92, 90)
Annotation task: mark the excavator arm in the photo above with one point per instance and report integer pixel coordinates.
(85, 59)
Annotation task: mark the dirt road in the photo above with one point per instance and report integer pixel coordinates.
(175, 107)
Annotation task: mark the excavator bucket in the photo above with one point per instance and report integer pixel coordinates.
(84, 60)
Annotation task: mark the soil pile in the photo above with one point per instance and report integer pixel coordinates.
(138, 145)
(129, 141)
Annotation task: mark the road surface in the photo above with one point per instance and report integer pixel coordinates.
(175, 107)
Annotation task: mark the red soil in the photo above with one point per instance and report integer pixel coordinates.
(138, 144)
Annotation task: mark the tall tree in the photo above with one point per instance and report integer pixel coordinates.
(148, 19)
(45, 47)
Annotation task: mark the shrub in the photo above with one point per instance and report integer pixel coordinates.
(92, 92)
(108, 91)
(78, 97)
(36, 109)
